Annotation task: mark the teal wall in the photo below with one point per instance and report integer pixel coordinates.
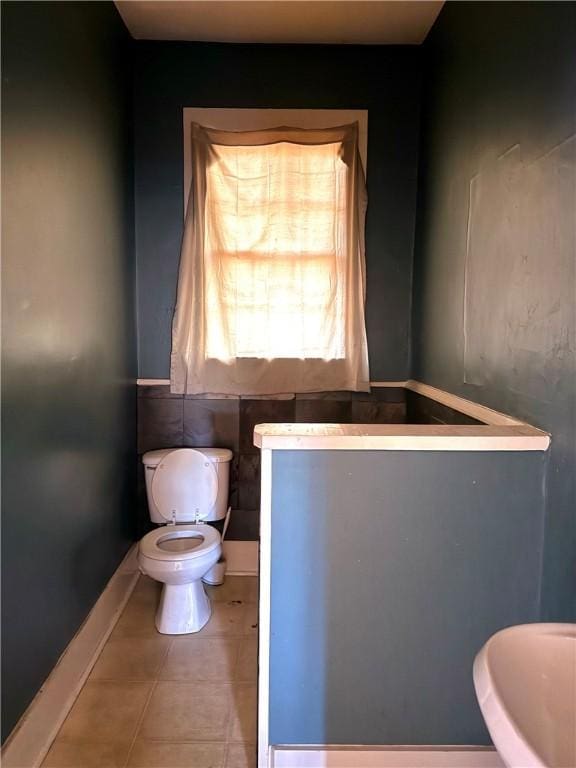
(497, 192)
(68, 346)
(390, 570)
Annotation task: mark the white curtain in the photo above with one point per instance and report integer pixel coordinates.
(272, 271)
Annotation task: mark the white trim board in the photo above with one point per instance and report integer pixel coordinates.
(152, 382)
(399, 437)
(166, 382)
(264, 602)
(357, 756)
(32, 737)
(241, 558)
(474, 410)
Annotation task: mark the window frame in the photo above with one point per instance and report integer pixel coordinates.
(233, 119)
(319, 321)
(192, 370)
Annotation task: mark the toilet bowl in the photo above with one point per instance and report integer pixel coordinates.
(185, 489)
(178, 556)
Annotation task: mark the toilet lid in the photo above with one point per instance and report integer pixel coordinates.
(185, 486)
(194, 540)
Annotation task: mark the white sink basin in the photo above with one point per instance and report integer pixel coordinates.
(525, 680)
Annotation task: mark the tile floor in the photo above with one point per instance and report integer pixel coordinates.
(155, 701)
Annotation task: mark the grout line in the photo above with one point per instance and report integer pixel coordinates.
(237, 661)
(230, 715)
(169, 647)
(146, 705)
(139, 723)
(225, 755)
(236, 684)
(228, 732)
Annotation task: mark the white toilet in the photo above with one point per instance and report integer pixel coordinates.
(186, 487)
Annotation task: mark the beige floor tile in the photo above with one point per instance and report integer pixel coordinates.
(139, 615)
(240, 588)
(251, 620)
(157, 754)
(131, 658)
(185, 723)
(106, 711)
(254, 590)
(227, 620)
(203, 659)
(244, 713)
(86, 754)
(137, 620)
(187, 712)
(241, 756)
(247, 666)
(146, 590)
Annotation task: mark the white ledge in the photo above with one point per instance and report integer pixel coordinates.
(400, 437)
(474, 410)
(498, 432)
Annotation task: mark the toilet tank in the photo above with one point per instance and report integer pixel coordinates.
(220, 458)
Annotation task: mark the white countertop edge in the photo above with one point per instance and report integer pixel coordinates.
(399, 437)
(468, 407)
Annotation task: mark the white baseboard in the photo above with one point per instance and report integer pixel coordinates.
(241, 558)
(164, 382)
(357, 756)
(31, 739)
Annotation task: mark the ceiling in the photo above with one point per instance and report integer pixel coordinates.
(281, 21)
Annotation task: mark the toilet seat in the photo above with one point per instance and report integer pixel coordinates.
(150, 544)
(185, 486)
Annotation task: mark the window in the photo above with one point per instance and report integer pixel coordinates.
(275, 275)
(271, 289)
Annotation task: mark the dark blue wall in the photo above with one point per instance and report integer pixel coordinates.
(390, 570)
(497, 190)
(384, 80)
(68, 346)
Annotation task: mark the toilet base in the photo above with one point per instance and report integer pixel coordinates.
(183, 609)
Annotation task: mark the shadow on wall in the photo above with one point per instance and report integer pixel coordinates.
(390, 569)
(68, 508)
